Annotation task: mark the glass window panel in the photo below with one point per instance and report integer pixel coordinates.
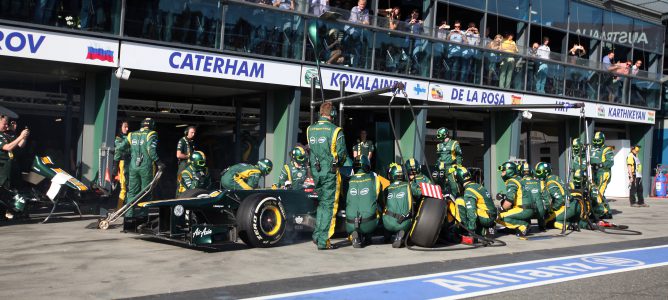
(456, 61)
(550, 13)
(645, 93)
(478, 4)
(402, 54)
(617, 28)
(342, 45)
(91, 15)
(517, 9)
(581, 83)
(187, 22)
(263, 31)
(585, 19)
(648, 36)
(614, 88)
(502, 69)
(545, 78)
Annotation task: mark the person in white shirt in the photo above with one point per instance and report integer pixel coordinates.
(456, 37)
(541, 75)
(471, 55)
(636, 68)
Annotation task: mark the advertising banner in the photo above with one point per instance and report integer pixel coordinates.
(26, 43)
(357, 82)
(214, 65)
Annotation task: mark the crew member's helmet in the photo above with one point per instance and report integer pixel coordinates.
(198, 160)
(395, 172)
(265, 166)
(599, 139)
(462, 175)
(148, 123)
(524, 169)
(543, 170)
(413, 167)
(442, 133)
(576, 145)
(298, 154)
(578, 178)
(362, 163)
(510, 168)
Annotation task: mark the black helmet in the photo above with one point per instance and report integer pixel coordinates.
(148, 123)
(362, 162)
(525, 169)
(413, 167)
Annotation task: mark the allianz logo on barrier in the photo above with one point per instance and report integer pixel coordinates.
(465, 282)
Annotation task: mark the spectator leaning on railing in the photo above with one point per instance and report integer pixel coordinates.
(508, 62)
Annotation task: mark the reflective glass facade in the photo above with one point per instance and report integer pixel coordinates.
(354, 37)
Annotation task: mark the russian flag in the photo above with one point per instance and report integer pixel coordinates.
(100, 54)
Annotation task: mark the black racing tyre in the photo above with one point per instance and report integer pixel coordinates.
(428, 222)
(261, 221)
(194, 193)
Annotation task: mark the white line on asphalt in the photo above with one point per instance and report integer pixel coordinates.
(370, 283)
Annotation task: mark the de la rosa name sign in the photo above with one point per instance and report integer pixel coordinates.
(475, 96)
(18, 42)
(214, 65)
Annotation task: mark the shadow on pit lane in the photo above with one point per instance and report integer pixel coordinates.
(222, 247)
(54, 219)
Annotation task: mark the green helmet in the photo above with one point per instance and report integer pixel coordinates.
(413, 167)
(578, 178)
(462, 175)
(265, 166)
(442, 133)
(395, 172)
(148, 123)
(362, 162)
(599, 139)
(576, 145)
(198, 160)
(524, 168)
(298, 154)
(510, 168)
(543, 170)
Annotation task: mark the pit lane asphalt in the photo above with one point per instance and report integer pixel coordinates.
(638, 285)
(65, 260)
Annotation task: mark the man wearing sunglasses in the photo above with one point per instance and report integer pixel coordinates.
(195, 175)
(294, 173)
